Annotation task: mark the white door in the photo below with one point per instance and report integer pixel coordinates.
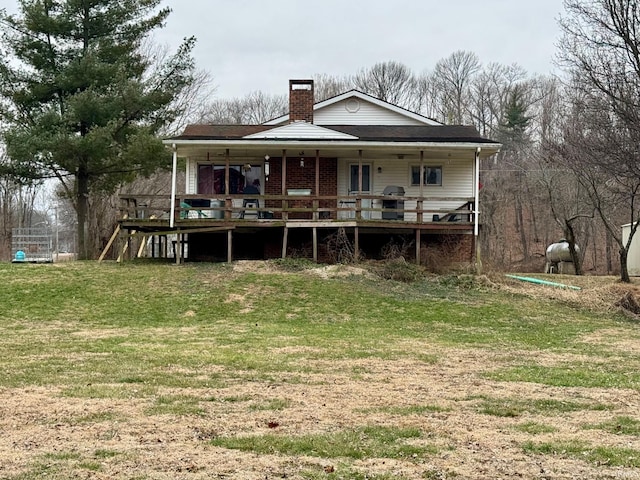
(366, 185)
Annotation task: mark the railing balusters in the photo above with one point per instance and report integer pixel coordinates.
(317, 208)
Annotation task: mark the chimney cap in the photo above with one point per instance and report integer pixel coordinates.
(301, 84)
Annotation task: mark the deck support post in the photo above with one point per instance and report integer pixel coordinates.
(315, 244)
(418, 244)
(229, 246)
(356, 243)
(178, 252)
(284, 242)
(124, 243)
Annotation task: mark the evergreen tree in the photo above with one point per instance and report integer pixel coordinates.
(81, 101)
(512, 131)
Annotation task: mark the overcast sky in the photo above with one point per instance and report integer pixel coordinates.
(250, 45)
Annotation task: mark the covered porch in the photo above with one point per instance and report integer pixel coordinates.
(316, 187)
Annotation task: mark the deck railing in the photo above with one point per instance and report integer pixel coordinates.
(278, 208)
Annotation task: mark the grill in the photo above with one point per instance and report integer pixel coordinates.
(393, 204)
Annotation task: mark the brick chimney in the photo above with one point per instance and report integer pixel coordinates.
(301, 100)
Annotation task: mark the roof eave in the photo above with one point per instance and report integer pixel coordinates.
(486, 149)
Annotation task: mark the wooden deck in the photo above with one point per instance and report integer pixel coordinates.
(144, 216)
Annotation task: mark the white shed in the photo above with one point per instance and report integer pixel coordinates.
(633, 256)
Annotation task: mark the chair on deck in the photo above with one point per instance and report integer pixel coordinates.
(251, 202)
(187, 213)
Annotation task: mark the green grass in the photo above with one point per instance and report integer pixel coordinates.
(534, 428)
(273, 404)
(514, 407)
(365, 442)
(618, 425)
(600, 455)
(114, 325)
(344, 472)
(102, 453)
(94, 418)
(176, 405)
(409, 410)
(595, 374)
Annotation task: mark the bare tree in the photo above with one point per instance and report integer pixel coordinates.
(570, 207)
(601, 48)
(390, 81)
(327, 86)
(453, 76)
(488, 95)
(191, 102)
(254, 108)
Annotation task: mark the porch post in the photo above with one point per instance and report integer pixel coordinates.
(285, 215)
(358, 201)
(418, 240)
(420, 202)
(174, 174)
(316, 203)
(229, 246)
(476, 207)
(359, 171)
(317, 173)
(228, 212)
(227, 166)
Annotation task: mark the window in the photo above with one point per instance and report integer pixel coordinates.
(211, 178)
(366, 178)
(432, 175)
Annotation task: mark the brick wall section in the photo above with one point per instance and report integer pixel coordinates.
(303, 177)
(301, 100)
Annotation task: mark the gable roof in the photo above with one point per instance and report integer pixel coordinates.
(364, 97)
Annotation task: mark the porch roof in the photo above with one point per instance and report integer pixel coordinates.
(369, 133)
(381, 140)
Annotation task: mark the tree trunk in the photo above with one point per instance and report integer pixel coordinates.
(609, 257)
(624, 272)
(82, 202)
(523, 234)
(571, 239)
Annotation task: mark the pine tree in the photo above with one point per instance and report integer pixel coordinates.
(513, 128)
(81, 101)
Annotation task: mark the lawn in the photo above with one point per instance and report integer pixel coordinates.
(283, 370)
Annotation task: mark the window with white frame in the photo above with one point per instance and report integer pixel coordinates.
(432, 175)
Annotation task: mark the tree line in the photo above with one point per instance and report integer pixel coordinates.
(85, 96)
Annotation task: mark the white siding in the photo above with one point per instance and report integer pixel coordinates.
(191, 180)
(367, 114)
(457, 181)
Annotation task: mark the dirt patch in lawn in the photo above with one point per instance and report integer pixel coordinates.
(119, 438)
